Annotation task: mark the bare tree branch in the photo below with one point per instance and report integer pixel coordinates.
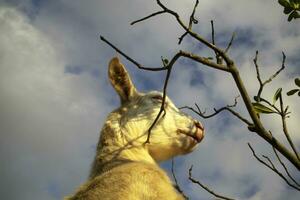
(272, 167)
(230, 42)
(278, 72)
(285, 168)
(176, 182)
(147, 17)
(261, 83)
(193, 34)
(130, 59)
(205, 187)
(205, 61)
(282, 112)
(218, 57)
(284, 127)
(217, 111)
(258, 74)
(213, 39)
(212, 32)
(169, 67)
(269, 160)
(199, 59)
(191, 22)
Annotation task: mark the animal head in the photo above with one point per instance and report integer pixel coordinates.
(174, 133)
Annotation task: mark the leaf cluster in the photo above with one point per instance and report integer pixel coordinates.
(263, 106)
(291, 92)
(291, 8)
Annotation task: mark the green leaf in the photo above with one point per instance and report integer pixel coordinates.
(294, 4)
(291, 2)
(260, 108)
(290, 17)
(297, 82)
(291, 92)
(287, 10)
(277, 95)
(294, 15)
(284, 3)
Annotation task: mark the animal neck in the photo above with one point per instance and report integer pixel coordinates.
(137, 154)
(111, 156)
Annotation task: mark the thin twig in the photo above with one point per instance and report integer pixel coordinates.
(194, 57)
(279, 70)
(258, 76)
(269, 160)
(191, 22)
(228, 61)
(176, 182)
(230, 42)
(261, 83)
(217, 111)
(130, 59)
(205, 187)
(218, 57)
(147, 17)
(285, 168)
(205, 61)
(181, 37)
(284, 127)
(162, 108)
(272, 167)
(212, 32)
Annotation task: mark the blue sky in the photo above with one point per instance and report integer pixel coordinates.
(55, 94)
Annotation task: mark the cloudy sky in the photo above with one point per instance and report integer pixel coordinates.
(55, 93)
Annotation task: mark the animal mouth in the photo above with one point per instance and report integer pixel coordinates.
(196, 135)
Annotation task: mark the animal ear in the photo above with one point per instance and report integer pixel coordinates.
(120, 80)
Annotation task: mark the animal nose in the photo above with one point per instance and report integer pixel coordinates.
(199, 125)
(199, 132)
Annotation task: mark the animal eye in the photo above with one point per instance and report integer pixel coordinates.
(157, 98)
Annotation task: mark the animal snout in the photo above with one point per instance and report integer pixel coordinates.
(199, 134)
(199, 125)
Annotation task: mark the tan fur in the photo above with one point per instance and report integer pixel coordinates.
(124, 166)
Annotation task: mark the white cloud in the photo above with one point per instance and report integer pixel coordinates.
(44, 112)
